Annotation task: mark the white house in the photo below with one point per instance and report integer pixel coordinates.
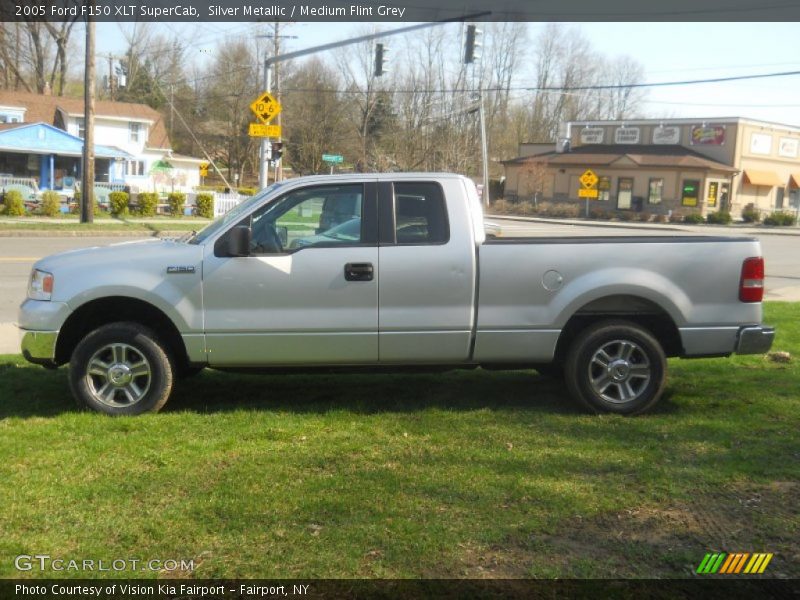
(136, 129)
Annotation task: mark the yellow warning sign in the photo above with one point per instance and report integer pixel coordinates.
(259, 130)
(588, 179)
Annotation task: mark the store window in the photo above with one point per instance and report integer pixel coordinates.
(624, 193)
(655, 191)
(603, 188)
(690, 192)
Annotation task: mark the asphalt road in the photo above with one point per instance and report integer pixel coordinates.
(17, 255)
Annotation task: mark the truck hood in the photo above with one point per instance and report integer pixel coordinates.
(139, 251)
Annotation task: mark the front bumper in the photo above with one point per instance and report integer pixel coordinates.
(39, 347)
(754, 340)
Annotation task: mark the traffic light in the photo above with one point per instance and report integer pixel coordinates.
(380, 59)
(277, 151)
(472, 42)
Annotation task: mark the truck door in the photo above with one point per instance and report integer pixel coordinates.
(427, 260)
(308, 291)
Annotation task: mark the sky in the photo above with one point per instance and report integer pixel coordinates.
(668, 52)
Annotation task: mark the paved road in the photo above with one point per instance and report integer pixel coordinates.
(17, 254)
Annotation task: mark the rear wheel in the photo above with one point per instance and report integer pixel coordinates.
(616, 367)
(121, 369)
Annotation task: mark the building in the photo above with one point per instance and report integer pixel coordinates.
(663, 165)
(136, 133)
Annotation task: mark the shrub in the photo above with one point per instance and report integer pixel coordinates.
(661, 219)
(781, 218)
(566, 211)
(676, 217)
(247, 191)
(118, 203)
(501, 207)
(523, 208)
(147, 204)
(694, 218)
(51, 204)
(626, 215)
(644, 217)
(600, 213)
(722, 217)
(750, 214)
(15, 207)
(176, 201)
(205, 205)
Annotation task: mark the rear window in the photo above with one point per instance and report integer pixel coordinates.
(420, 214)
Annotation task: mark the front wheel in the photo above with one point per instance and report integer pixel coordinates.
(616, 367)
(121, 369)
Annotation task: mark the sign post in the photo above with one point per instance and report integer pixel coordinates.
(332, 159)
(588, 187)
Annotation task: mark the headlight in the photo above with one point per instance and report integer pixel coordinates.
(41, 285)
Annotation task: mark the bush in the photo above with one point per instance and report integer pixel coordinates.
(626, 215)
(15, 207)
(722, 217)
(176, 201)
(566, 211)
(500, 206)
(781, 218)
(147, 204)
(694, 219)
(205, 205)
(247, 191)
(643, 217)
(118, 203)
(51, 204)
(661, 219)
(676, 217)
(750, 214)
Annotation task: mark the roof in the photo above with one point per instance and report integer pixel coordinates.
(42, 138)
(42, 108)
(665, 156)
(683, 121)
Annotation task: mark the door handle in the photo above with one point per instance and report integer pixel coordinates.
(358, 271)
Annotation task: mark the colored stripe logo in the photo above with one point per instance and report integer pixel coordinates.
(734, 564)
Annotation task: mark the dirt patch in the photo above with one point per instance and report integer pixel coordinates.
(652, 541)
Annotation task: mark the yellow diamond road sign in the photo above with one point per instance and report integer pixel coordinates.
(265, 108)
(588, 179)
(259, 130)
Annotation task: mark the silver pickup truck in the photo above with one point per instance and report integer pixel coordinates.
(388, 271)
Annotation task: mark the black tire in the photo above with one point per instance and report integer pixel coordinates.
(616, 367)
(121, 369)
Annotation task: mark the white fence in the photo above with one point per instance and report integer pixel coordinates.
(225, 202)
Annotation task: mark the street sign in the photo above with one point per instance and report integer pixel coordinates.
(587, 193)
(332, 158)
(259, 130)
(588, 179)
(204, 169)
(265, 108)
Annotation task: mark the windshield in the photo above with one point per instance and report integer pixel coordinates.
(234, 214)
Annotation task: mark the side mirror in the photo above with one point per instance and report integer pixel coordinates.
(283, 234)
(239, 241)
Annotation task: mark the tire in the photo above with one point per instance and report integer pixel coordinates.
(121, 369)
(616, 367)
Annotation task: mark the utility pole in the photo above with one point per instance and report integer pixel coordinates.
(87, 170)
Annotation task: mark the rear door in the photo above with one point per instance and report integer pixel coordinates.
(427, 261)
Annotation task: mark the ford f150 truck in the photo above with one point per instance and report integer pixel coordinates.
(387, 271)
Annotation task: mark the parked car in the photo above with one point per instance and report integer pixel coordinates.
(412, 281)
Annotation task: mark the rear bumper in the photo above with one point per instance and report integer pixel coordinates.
(754, 340)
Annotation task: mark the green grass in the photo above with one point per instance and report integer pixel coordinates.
(466, 474)
(154, 225)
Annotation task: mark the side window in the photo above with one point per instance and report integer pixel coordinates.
(419, 213)
(318, 216)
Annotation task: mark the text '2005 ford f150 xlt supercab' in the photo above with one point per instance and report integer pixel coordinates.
(386, 271)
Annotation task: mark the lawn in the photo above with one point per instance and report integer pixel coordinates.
(154, 225)
(465, 474)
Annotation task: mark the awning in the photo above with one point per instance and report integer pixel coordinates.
(794, 181)
(765, 178)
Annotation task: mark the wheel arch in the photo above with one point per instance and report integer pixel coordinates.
(628, 307)
(111, 309)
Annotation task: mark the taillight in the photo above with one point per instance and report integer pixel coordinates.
(751, 284)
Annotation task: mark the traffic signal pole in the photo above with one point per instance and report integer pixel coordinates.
(269, 61)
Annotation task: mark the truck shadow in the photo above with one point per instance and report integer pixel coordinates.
(28, 391)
